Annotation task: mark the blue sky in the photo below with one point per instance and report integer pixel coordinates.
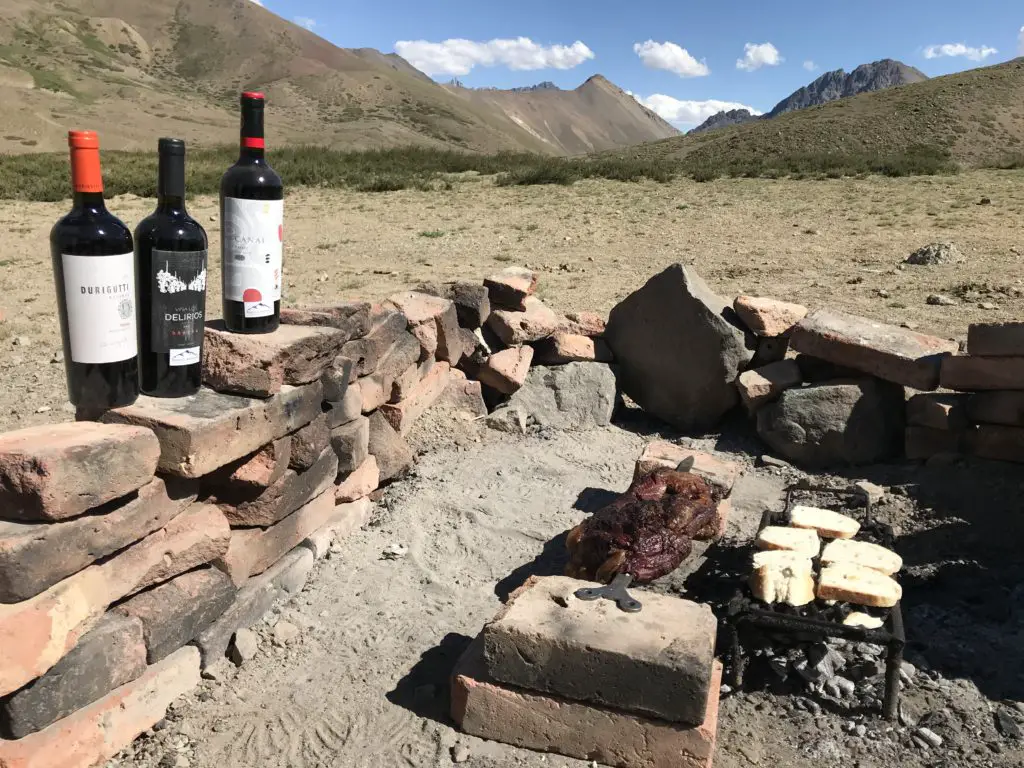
(684, 59)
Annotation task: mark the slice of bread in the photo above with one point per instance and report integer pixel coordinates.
(800, 540)
(862, 553)
(865, 620)
(856, 584)
(828, 524)
(782, 576)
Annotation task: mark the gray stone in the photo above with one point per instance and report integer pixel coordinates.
(366, 353)
(285, 632)
(244, 646)
(346, 410)
(293, 569)
(844, 423)
(679, 349)
(351, 444)
(577, 396)
(393, 454)
(309, 442)
(472, 303)
(875, 493)
(352, 317)
(770, 349)
(935, 253)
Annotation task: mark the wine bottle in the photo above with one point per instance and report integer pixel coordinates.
(94, 273)
(170, 260)
(252, 223)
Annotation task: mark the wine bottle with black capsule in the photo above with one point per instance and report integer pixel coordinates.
(171, 257)
(252, 226)
(94, 273)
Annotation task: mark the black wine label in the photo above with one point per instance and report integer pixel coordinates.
(179, 304)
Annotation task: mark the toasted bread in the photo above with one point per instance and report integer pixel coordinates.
(862, 553)
(828, 524)
(858, 585)
(800, 540)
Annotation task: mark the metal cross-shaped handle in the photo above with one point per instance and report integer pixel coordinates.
(615, 591)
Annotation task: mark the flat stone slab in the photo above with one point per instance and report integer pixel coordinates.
(201, 433)
(403, 415)
(265, 467)
(35, 556)
(887, 351)
(346, 520)
(260, 364)
(721, 474)
(563, 348)
(766, 317)
(996, 339)
(657, 663)
(937, 411)
(969, 373)
(352, 317)
(485, 708)
(393, 454)
(360, 483)
(57, 471)
(997, 408)
(472, 304)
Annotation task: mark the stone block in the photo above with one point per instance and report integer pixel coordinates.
(35, 556)
(174, 613)
(572, 397)
(937, 411)
(424, 309)
(393, 454)
(108, 656)
(765, 384)
(337, 377)
(533, 323)
(58, 471)
(509, 288)
(92, 735)
(372, 394)
(351, 444)
(768, 317)
(484, 708)
(996, 339)
(309, 443)
(995, 441)
(966, 374)
(925, 442)
(352, 317)
(260, 364)
(361, 483)
(403, 415)
(887, 351)
(996, 408)
(201, 433)
(387, 325)
(403, 386)
(657, 664)
(472, 303)
(565, 348)
(721, 474)
(347, 410)
(463, 396)
(583, 324)
(263, 468)
(347, 519)
(506, 371)
(426, 335)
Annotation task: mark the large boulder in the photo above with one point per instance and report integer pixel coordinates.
(836, 424)
(679, 348)
(577, 396)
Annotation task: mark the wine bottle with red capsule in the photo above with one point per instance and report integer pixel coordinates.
(252, 219)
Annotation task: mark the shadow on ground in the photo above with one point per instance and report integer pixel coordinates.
(426, 689)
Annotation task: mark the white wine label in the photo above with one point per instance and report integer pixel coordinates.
(100, 296)
(253, 246)
(178, 304)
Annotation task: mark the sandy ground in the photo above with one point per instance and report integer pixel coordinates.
(824, 243)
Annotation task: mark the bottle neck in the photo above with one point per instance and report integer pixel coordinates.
(87, 179)
(252, 140)
(89, 201)
(171, 183)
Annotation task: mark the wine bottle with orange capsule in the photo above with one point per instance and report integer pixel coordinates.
(94, 273)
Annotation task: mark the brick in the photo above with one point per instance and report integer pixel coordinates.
(987, 373)
(201, 433)
(263, 468)
(352, 317)
(765, 384)
(424, 309)
(534, 323)
(994, 441)
(565, 348)
(768, 317)
(377, 387)
(583, 324)
(393, 454)
(547, 640)
(337, 377)
(351, 444)
(111, 654)
(260, 364)
(404, 385)
(719, 473)
(371, 394)
(509, 288)
(404, 414)
(36, 633)
(925, 442)
(35, 556)
(472, 304)
(254, 550)
(997, 408)
(278, 501)
(309, 442)
(506, 371)
(463, 395)
(426, 335)
(937, 411)
(360, 483)
(484, 708)
(996, 339)
(58, 471)
(420, 308)
(889, 352)
(346, 520)
(365, 353)
(173, 614)
(347, 410)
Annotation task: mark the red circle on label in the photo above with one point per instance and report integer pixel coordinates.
(252, 295)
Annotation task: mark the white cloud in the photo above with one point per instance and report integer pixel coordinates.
(1020, 42)
(959, 49)
(257, 2)
(686, 113)
(305, 21)
(459, 57)
(810, 66)
(670, 57)
(757, 55)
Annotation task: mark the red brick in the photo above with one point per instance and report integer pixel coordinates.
(937, 411)
(584, 324)
(887, 351)
(472, 303)
(563, 348)
(424, 309)
(966, 374)
(718, 472)
(463, 395)
(92, 735)
(362, 482)
(265, 467)
(996, 339)
(404, 385)
(768, 317)
(484, 708)
(534, 323)
(506, 371)
(426, 334)
(765, 384)
(991, 441)
(57, 471)
(309, 442)
(404, 414)
(925, 442)
(997, 408)
(509, 288)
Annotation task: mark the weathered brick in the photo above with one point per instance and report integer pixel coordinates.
(997, 408)
(966, 374)
(278, 501)
(937, 411)
(347, 410)
(109, 655)
(463, 395)
(509, 288)
(472, 303)
(35, 556)
(57, 471)
(372, 394)
(309, 442)
(346, 520)
(424, 309)
(393, 454)
(92, 735)
(506, 371)
(547, 640)
(404, 414)
(365, 353)
(534, 323)
(352, 317)
(925, 442)
(337, 377)
(377, 387)
(201, 433)
(584, 324)
(404, 385)
(768, 317)
(996, 441)
(174, 613)
(765, 384)
(484, 708)
(426, 334)
(887, 351)
(360, 483)
(263, 468)
(351, 444)
(996, 339)
(719, 473)
(565, 348)
(260, 364)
